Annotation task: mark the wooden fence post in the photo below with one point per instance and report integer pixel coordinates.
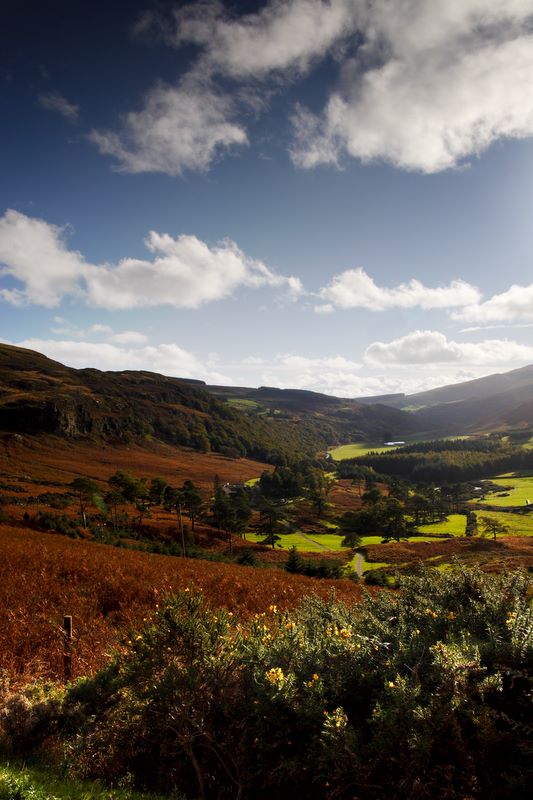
(67, 648)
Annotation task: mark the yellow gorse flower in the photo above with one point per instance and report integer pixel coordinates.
(275, 676)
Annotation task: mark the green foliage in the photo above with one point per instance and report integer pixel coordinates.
(295, 564)
(59, 523)
(444, 460)
(34, 783)
(420, 693)
(384, 516)
(492, 527)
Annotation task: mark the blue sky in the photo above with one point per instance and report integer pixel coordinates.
(325, 195)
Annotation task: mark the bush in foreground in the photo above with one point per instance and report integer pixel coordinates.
(421, 693)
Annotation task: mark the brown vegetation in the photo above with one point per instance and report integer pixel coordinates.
(51, 458)
(508, 552)
(107, 590)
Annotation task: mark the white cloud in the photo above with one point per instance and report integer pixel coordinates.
(184, 272)
(99, 328)
(54, 101)
(513, 305)
(129, 337)
(283, 34)
(34, 252)
(344, 377)
(354, 288)
(167, 359)
(423, 84)
(433, 348)
(179, 128)
(433, 83)
(329, 374)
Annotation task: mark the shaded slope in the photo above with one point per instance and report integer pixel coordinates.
(38, 395)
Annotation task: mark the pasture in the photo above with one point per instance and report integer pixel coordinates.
(360, 449)
(520, 494)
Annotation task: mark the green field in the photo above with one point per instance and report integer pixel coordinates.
(519, 524)
(521, 492)
(455, 524)
(360, 449)
(242, 404)
(330, 541)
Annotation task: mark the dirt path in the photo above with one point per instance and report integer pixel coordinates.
(314, 541)
(359, 564)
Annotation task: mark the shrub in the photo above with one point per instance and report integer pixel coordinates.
(420, 693)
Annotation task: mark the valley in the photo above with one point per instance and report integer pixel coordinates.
(108, 516)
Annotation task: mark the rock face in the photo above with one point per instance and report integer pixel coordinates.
(68, 418)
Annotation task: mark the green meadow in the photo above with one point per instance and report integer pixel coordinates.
(519, 495)
(455, 525)
(519, 524)
(360, 449)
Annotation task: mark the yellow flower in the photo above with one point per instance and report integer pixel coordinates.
(452, 615)
(315, 676)
(275, 676)
(273, 609)
(392, 685)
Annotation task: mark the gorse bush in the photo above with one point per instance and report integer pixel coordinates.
(421, 693)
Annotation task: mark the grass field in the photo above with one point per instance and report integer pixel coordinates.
(241, 403)
(362, 448)
(519, 524)
(329, 541)
(359, 449)
(519, 495)
(454, 524)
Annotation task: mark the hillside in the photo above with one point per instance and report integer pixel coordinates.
(503, 401)
(38, 395)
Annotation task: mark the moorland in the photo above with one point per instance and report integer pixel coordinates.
(264, 593)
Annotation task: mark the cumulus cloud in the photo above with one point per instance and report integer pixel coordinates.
(432, 347)
(513, 305)
(179, 128)
(34, 252)
(329, 374)
(54, 101)
(183, 272)
(421, 84)
(354, 288)
(283, 34)
(343, 377)
(432, 84)
(167, 359)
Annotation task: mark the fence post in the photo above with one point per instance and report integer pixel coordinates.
(67, 648)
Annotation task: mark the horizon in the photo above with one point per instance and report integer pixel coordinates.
(332, 197)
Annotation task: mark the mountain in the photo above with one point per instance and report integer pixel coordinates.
(39, 395)
(502, 401)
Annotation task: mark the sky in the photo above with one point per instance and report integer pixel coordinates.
(333, 196)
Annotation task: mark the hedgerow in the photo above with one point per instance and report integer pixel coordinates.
(420, 693)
